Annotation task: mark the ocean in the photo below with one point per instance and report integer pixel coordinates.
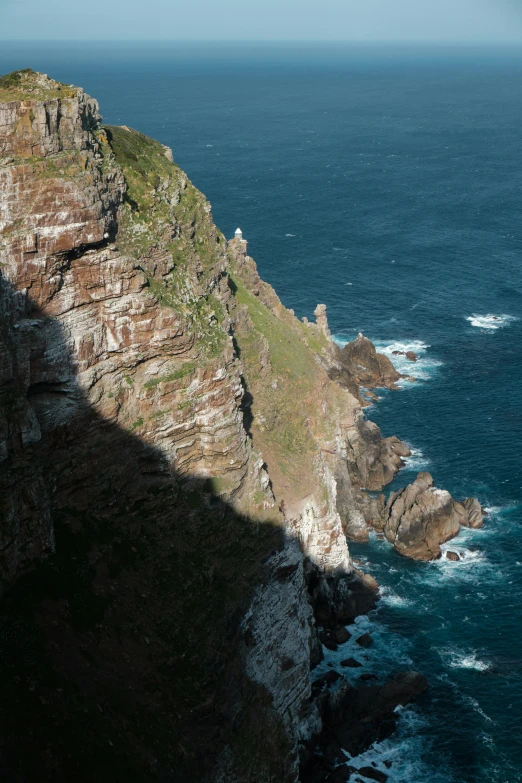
(386, 183)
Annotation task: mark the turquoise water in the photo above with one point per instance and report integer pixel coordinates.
(386, 184)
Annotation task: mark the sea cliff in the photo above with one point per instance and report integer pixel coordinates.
(182, 461)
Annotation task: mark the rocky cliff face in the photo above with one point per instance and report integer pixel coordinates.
(176, 454)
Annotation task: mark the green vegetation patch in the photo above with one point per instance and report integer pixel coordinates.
(181, 372)
(289, 355)
(26, 85)
(160, 199)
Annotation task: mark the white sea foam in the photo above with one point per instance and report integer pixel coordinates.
(499, 511)
(404, 752)
(391, 598)
(476, 706)
(490, 323)
(473, 568)
(422, 369)
(468, 556)
(457, 659)
(416, 461)
(387, 655)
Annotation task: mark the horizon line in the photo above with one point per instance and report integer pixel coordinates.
(239, 41)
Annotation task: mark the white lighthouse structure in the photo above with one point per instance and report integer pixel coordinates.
(238, 244)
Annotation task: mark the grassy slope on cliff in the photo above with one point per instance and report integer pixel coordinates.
(291, 393)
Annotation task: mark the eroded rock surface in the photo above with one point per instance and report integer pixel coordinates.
(420, 517)
(360, 364)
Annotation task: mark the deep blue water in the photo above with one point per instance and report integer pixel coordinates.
(386, 184)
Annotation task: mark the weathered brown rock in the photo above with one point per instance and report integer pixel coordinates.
(419, 518)
(361, 361)
(322, 319)
(474, 512)
(125, 459)
(454, 556)
(135, 432)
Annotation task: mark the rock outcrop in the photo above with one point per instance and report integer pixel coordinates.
(359, 364)
(420, 517)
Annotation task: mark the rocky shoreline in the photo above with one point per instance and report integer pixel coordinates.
(416, 520)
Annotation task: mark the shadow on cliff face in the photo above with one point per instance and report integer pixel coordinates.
(120, 654)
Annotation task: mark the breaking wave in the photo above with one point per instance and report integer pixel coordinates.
(457, 659)
(490, 323)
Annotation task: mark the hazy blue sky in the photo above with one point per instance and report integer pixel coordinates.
(363, 20)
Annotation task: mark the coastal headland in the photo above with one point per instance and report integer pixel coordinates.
(183, 463)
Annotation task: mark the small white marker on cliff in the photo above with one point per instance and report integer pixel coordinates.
(239, 234)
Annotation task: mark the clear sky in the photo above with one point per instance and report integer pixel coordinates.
(262, 20)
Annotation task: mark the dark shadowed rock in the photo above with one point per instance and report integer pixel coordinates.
(373, 774)
(365, 640)
(351, 663)
(327, 679)
(316, 649)
(341, 635)
(340, 599)
(340, 775)
(358, 717)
